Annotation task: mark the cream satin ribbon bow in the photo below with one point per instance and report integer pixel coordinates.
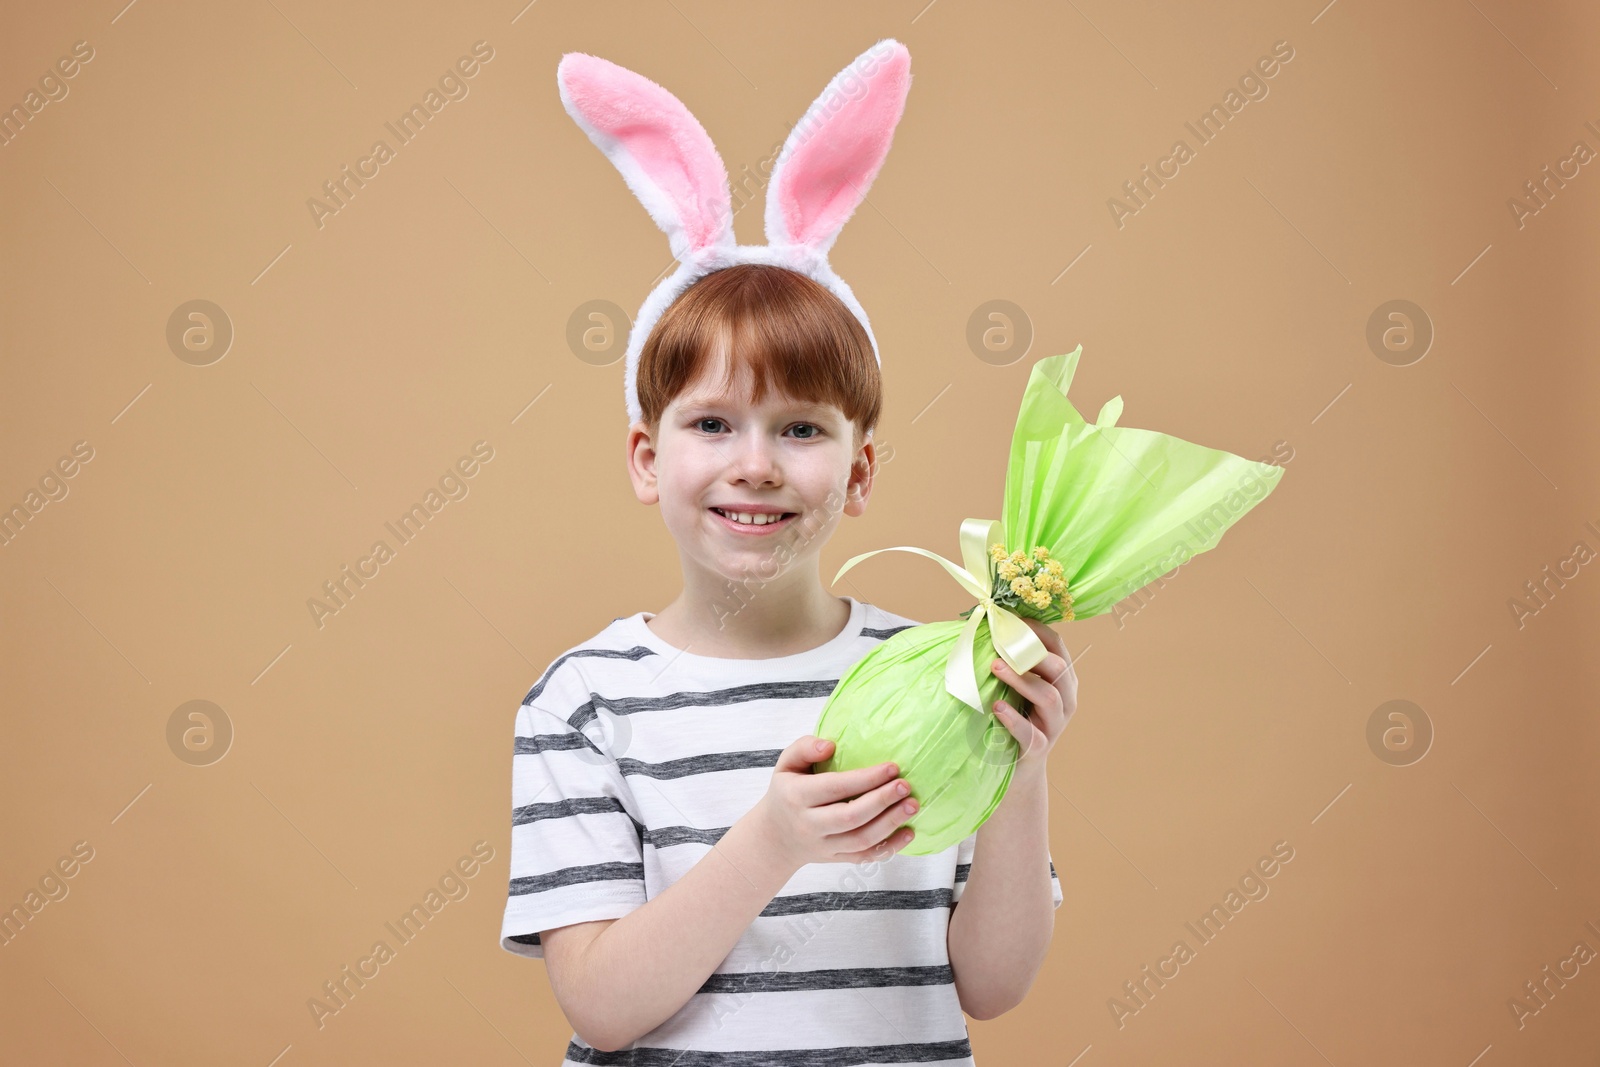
(1016, 642)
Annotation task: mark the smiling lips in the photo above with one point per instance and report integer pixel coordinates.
(753, 521)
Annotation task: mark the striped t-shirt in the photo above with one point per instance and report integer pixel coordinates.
(632, 758)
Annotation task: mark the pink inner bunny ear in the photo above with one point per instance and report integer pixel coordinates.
(834, 152)
(662, 151)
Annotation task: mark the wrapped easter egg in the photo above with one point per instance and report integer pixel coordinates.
(1093, 512)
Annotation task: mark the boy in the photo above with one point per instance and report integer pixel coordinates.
(696, 891)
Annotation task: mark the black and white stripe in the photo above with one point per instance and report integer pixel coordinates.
(631, 760)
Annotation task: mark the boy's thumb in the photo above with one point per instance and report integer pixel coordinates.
(804, 752)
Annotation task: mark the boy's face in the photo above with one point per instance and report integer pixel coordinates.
(716, 452)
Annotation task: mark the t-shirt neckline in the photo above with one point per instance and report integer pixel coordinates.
(640, 632)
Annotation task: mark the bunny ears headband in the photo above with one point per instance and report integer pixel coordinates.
(822, 174)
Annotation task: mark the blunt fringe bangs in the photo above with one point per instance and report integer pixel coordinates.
(785, 330)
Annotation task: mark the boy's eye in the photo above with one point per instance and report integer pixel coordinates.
(805, 430)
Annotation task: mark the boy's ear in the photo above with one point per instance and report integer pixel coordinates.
(641, 460)
(862, 470)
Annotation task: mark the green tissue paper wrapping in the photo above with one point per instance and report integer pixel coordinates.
(1117, 507)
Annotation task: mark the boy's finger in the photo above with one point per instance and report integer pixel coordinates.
(802, 753)
(827, 787)
(878, 852)
(876, 831)
(886, 799)
(1031, 686)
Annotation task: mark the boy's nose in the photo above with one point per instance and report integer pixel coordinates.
(757, 460)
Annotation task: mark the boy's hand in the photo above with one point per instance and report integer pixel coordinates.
(812, 818)
(1051, 690)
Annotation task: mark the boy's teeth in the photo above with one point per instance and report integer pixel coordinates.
(748, 520)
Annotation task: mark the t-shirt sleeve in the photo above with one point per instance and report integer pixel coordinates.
(967, 847)
(576, 849)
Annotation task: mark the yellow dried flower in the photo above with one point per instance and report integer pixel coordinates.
(1030, 579)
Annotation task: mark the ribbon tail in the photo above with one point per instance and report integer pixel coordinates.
(968, 581)
(958, 676)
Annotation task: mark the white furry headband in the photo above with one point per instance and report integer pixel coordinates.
(664, 154)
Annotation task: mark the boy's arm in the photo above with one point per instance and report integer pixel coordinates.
(618, 979)
(1000, 931)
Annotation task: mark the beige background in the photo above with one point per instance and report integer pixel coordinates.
(369, 754)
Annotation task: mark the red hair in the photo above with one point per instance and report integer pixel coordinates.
(787, 330)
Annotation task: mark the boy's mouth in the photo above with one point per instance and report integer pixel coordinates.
(753, 523)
